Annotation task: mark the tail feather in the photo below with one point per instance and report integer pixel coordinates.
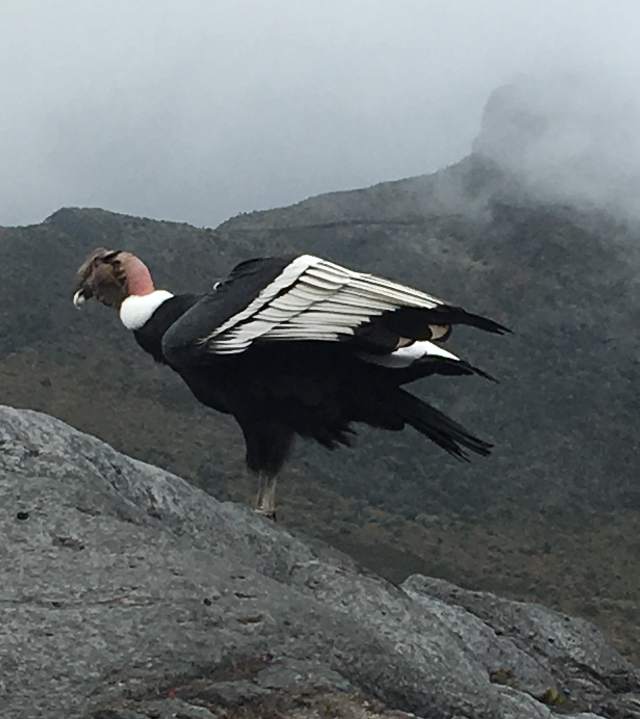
(439, 428)
(441, 366)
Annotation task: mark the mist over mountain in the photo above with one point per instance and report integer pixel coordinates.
(570, 138)
(196, 111)
(541, 515)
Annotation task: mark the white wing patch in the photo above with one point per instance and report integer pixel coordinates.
(313, 299)
(405, 356)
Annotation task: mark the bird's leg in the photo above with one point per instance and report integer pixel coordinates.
(266, 498)
(262, 480)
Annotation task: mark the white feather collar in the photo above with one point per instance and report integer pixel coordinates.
(137, 309)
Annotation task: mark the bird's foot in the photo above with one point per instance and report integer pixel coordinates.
(266, 499)
(267, 514)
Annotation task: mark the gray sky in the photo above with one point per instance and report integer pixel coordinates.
(195, 111)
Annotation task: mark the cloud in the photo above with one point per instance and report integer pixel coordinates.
(196, 110)
(568, 137)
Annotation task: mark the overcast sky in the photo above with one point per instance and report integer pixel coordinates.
(196, 111)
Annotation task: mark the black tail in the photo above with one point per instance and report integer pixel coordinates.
(437, 365)
(446, 433)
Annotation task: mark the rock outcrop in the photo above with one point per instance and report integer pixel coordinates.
(129, 594)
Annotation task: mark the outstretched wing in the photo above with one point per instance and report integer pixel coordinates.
(315, 300)
(311, 299)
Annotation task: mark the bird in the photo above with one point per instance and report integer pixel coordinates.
(294, 346)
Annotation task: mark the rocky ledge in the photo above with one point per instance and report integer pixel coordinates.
(126, 593)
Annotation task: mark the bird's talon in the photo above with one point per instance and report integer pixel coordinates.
(266, 514)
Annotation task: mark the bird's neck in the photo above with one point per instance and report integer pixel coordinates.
(139, 281)
(137, 310)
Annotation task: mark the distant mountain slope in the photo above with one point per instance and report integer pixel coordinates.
(464, 188)
(564, 280)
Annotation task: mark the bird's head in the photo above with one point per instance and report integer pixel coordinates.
(110, 276)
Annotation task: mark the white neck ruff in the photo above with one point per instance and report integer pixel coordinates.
(136, 310)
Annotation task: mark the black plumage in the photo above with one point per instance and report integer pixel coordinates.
(299, 346)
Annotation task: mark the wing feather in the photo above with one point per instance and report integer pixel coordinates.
(314, 300)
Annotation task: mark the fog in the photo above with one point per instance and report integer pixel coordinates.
(568, 138)
(196, 111)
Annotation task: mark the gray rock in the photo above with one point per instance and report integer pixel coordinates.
(125, 589)
(501, 658)
(232, 693)
(569, 655)
(291, 675)
(515, 705)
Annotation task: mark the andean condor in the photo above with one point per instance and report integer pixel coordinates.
(294, 346)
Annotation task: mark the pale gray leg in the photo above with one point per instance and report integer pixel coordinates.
(266, 498)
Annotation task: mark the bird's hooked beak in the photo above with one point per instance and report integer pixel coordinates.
(79, 299)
